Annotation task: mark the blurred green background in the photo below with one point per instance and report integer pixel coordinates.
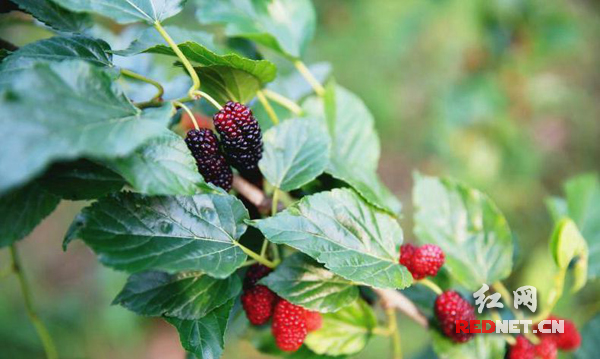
(501, 94)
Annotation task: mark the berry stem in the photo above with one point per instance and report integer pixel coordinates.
(136, 76)
(284, 101)
(507, 298)
(429, 284)
(309, 77)
(188, 111)
(256, 257)
(394, 332)
(209, 99)
(48, 344)
(186, 63)
(263, 100)
(553, 296)
(249, 263)
(274, 206)
(508, 338)
(275, 201)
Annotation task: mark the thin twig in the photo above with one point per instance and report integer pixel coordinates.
(309, 77)
(186, 63)
(49, 347)
(188, 111)
(252, 193)
(265, 103)
(284, 101)
(396, 300)
(394, 332)
(160, 90)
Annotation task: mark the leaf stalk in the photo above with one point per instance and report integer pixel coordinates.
(42, 331)
(309, 77)
(270, 111)
(186, 63)
(284, 101)
(136, 76)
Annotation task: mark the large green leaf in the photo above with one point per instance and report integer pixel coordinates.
(344, 332)
(204, 337)
(55, 49)
(22, 209)
(185, 295)
(127, 11)
(286, 26)
(164, 165)
(468, 227)
(225, 77)
(295, 153)
(80, 180)
(481, 347)
(55, 16)
(134, 233)
(589, 340)
(79, 112)
(340, 230)
(355, 145)
(302, 281)
(583, 203)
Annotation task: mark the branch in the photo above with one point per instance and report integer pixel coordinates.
(396, 300)
(252, 193)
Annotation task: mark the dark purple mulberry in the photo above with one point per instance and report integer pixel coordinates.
(204, 145)
(240, 136)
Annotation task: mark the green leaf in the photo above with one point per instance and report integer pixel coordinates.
(355, 146)
(589, 340)
(134, 233)
(185, 295)
(344, 332)
(370, 187)
(164, 165)
(55, 16)
(286, 26)
(127, 11)
(340, 230)
(566, 243)
(295, 153)
(55, 49)
(204, 337)
(225, 77)
(22, 209)
(583, 199)
(80, 180)
(481, 347)
(302, 281)
(65, 120)
(468, 227)
(150, 39)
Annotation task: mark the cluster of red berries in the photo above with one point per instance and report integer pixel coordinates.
(241, 144)
(549, 344)
(422, 261)
(450, 307)
(291, 323)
